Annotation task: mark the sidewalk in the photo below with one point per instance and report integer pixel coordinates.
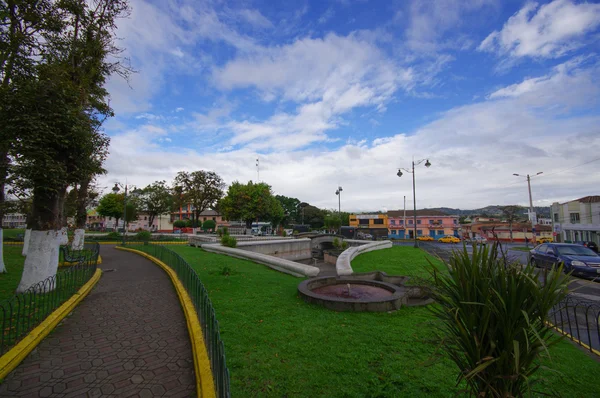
(128, 337)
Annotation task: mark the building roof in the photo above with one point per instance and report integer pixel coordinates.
(516, 226)
(589, 199)
(210, 212)
(422, 212)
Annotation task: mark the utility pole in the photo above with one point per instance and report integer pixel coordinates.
(532, 216)
(257, 170)
(339, 195)
(399, 174)
(404, 220)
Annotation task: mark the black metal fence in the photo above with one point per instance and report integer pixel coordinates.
(579, 320)
(24, 311)
(87, 254)
(206, 313)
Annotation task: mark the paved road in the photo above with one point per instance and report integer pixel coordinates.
(128, 337)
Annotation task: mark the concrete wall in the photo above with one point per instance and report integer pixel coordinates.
(343, 266)
(289, 249)
(279, 264)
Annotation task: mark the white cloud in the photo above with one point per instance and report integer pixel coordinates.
(326, 16)
(474, 150)
(179, 109)
(430, 21)
(255, 18)
(546, 31)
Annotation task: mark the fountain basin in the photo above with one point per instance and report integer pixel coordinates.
(341, 294)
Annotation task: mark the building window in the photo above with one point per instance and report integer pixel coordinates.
(419, 231)
(393, 222)
(204, 218)
(440, 232)
(214, 219)
(145, 218)
(410, 222)
(555, 217)
(393, 232)
(378, 221)
(430, 222)
(440, 222)
(418, 221)
(363, 222)
(401, 222)
(455, 221)
(574, 218)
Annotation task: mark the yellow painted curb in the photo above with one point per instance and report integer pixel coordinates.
(68, 263)
(15, 355)
(205, 386)
(573, 338)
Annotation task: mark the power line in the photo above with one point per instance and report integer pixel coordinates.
(570, 168)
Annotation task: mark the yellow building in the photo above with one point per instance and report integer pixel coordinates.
(370, 221)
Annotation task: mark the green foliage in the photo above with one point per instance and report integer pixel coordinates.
(156, 199)
(344, 245)
(226, 271)
(229, 241)
(111, 205)
(290, 207)
(143, 236)
(249, 202)
(336, 243)
(283, 233)
(179, 223)
(493, 317)
(332, 220)
(202, 189)
(113, 235)
(209, 225)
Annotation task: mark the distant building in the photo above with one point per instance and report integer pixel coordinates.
(520, 231)
(432, 223)
(374, 224)
(186, 213)
(577, 220)
(14, 220)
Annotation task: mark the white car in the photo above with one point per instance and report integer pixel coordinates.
(478, 240)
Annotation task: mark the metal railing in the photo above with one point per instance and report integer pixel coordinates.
(578, 320)
(24, 311)
(89, 253)
(206, 313)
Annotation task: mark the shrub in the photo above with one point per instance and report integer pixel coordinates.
(113, 235)
(344, 245)
(209, 225)
(336, 243)
(284, 234)
(179, 223)
(220, 232)
(189, 224)
(492, 319)
(143, 236)
(229, 241)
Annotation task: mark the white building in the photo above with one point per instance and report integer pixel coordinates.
(577, 220)
(14, 220)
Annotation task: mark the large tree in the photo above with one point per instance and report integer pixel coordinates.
(55, 116)
(290, 207)
(202, 189)
(111, 205)
(251, 202)
(156, 199)
(511, 214)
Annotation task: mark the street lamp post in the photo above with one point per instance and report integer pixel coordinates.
(116, 190)
(339, 195)
(399, 174)
(531, 217)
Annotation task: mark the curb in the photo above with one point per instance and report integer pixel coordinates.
(10, 360)
(572, 338)
(69, 264)
(205, 387)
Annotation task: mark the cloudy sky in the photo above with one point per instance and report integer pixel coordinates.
(343, 92)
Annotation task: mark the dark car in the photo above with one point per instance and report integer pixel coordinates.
(590, 245)
(579, 259)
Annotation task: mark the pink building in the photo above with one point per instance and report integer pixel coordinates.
(429, 223)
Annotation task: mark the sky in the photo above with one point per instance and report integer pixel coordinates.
(344, 93)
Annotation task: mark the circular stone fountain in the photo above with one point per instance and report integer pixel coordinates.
(341, 294)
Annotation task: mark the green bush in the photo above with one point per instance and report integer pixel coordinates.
(113, 235)
(344, 245)
(179, 223)
(189, 224)
(492, 319)
(229, 241)
(336, 243)
(283, 233)
(143, 236)
(209, 225)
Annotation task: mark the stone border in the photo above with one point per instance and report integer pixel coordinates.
(12, 358)
(205, 386)
(278, 264)
(343, 266)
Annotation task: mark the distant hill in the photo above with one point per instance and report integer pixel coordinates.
(493, 210)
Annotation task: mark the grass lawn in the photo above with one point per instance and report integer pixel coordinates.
(277, 345)
(14, 267)
(12, 233)
(521, 248)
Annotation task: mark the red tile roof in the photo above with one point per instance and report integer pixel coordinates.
(422, 212)
(589, 199)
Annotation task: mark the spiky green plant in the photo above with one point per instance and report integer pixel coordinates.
(492, 319)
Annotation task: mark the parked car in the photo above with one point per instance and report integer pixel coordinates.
(449, 239)
(478, 240)
(364, 236)
(425, 238)
(576, 258)
(545, 239)
(589, 244)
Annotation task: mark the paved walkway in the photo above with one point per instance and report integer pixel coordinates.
(128, 337)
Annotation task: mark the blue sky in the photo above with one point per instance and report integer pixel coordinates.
(334, 92)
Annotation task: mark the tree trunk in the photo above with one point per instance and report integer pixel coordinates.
(42, 260)
(46, 236)
(26, 239)
(78, 239)
(2, 265)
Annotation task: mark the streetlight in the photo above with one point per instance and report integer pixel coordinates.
(531, 214)
(116, 190)
(339, 195)
(399, 174)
